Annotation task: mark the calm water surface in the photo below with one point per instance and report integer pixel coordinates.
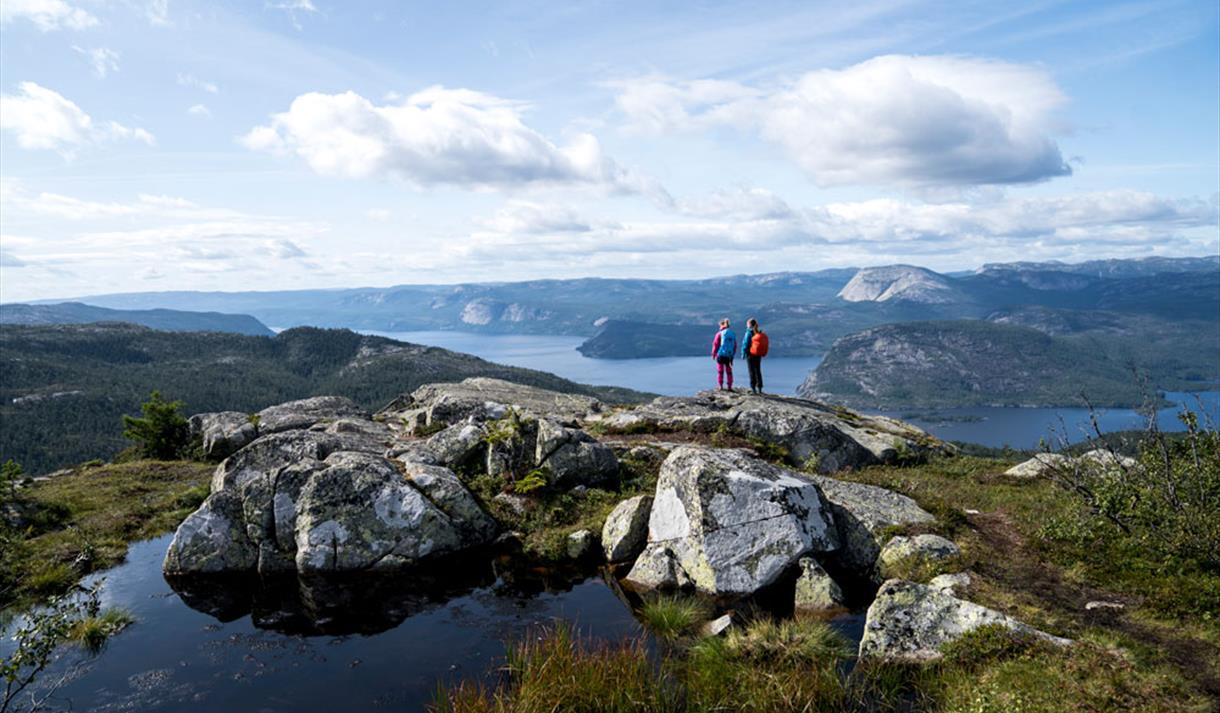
(321, 648)
(680, 376)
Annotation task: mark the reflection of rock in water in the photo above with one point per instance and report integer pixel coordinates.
(369, 603)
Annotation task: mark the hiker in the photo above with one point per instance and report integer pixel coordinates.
(753, 348)
(724, 346)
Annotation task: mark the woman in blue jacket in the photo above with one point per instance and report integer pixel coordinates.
(724, 346)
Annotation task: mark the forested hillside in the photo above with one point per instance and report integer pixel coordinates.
(65, 387)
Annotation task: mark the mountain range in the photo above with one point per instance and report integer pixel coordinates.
(165, 319)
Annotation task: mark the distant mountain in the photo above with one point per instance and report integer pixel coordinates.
(901, 283)
(65, 386)
(164, 319)
(972, 362)
(1134, 267)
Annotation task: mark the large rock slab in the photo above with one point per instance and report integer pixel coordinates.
(909, 621)
(307, 412)
(829, 438)
(861, 514)
(486, 399)
(929, 548)
(222, 433)
(625, 531)
(731, 522)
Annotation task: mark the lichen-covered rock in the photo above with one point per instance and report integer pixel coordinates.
(657, 567)
(580, 544)
(928, 548)
(734, 522)
(951, 583)
(445, 490)
(571, 457)
(212, 539)
(458, 445)
(1039, 465)
(326, 498)
(222, 433)
(625, 531)
(359, 513)
(306, 412)
(861, 513)
(815, 590)
(909, 621)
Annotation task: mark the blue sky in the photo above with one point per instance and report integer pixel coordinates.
(304, 143)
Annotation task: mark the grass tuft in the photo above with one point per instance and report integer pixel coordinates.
(93, 632)
(670, 616)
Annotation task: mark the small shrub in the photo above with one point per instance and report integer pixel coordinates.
(11, 475)
(162, 432)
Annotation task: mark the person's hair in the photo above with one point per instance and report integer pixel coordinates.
(753, 324)
(724, 322)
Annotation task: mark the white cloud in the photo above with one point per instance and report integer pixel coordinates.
(436, 136)
(43, 119)
(381, 215)
(763, 229)
(157, 12)
(294, 9)
(47, 15)
(7, 259)
(200, 110)
(102, 60)
(190, 80)
(905, 120)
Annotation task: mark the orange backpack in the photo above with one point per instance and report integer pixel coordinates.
(759, 344)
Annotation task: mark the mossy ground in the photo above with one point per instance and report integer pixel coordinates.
(83, 521)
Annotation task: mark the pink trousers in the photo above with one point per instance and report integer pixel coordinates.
(724, 366)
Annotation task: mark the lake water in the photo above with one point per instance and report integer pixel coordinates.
(358, 646)
(1020, 428)
(294, 646)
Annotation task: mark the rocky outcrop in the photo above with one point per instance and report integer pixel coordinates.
(223, 433)
(861, 514)
(486, 399)
(729, 523)
(909, 621)
(625, 531)
(307, 412)
(1046, 464)
(322, 497)
(813, 433)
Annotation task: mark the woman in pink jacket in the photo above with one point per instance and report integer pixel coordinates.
(724, 347)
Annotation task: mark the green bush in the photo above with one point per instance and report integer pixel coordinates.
(1168, 502)
(162, 433)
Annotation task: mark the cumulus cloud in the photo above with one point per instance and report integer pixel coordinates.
(436, 136)
(44, 119)
(905, 120)
(157, 12)
(381, 215)
(16, 200)
(102, 60)
(200, 110)
(46, 15)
